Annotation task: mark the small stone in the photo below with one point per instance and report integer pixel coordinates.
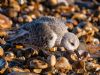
(38, 64)
(53, 2)
(1, 51)
(5, 22)
(27, 18)
(63, 64)
(9, 56)
(12, 13)
(53, 60)
(20, 19)
(19, 47)
(74, 57)
(37, 70)
(16, 69)
(79, 16)
(53, 49)
(3, 65)
(41, 8)
(3, 33)
(21, 2)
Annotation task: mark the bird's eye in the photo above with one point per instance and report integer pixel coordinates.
(72, 43)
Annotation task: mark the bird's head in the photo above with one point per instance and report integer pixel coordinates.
(70, 41)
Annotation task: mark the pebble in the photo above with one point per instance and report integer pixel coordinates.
(38, 64)
(5, 22)
(1, 51)
(3, 65)
(53, 60)
(63, 63)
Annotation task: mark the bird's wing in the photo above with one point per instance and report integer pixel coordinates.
(18, 34)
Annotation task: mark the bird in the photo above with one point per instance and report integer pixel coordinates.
(45, 32)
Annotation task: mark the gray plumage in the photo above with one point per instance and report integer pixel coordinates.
(44, 32)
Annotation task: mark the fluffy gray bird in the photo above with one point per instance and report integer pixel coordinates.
(46, 32)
